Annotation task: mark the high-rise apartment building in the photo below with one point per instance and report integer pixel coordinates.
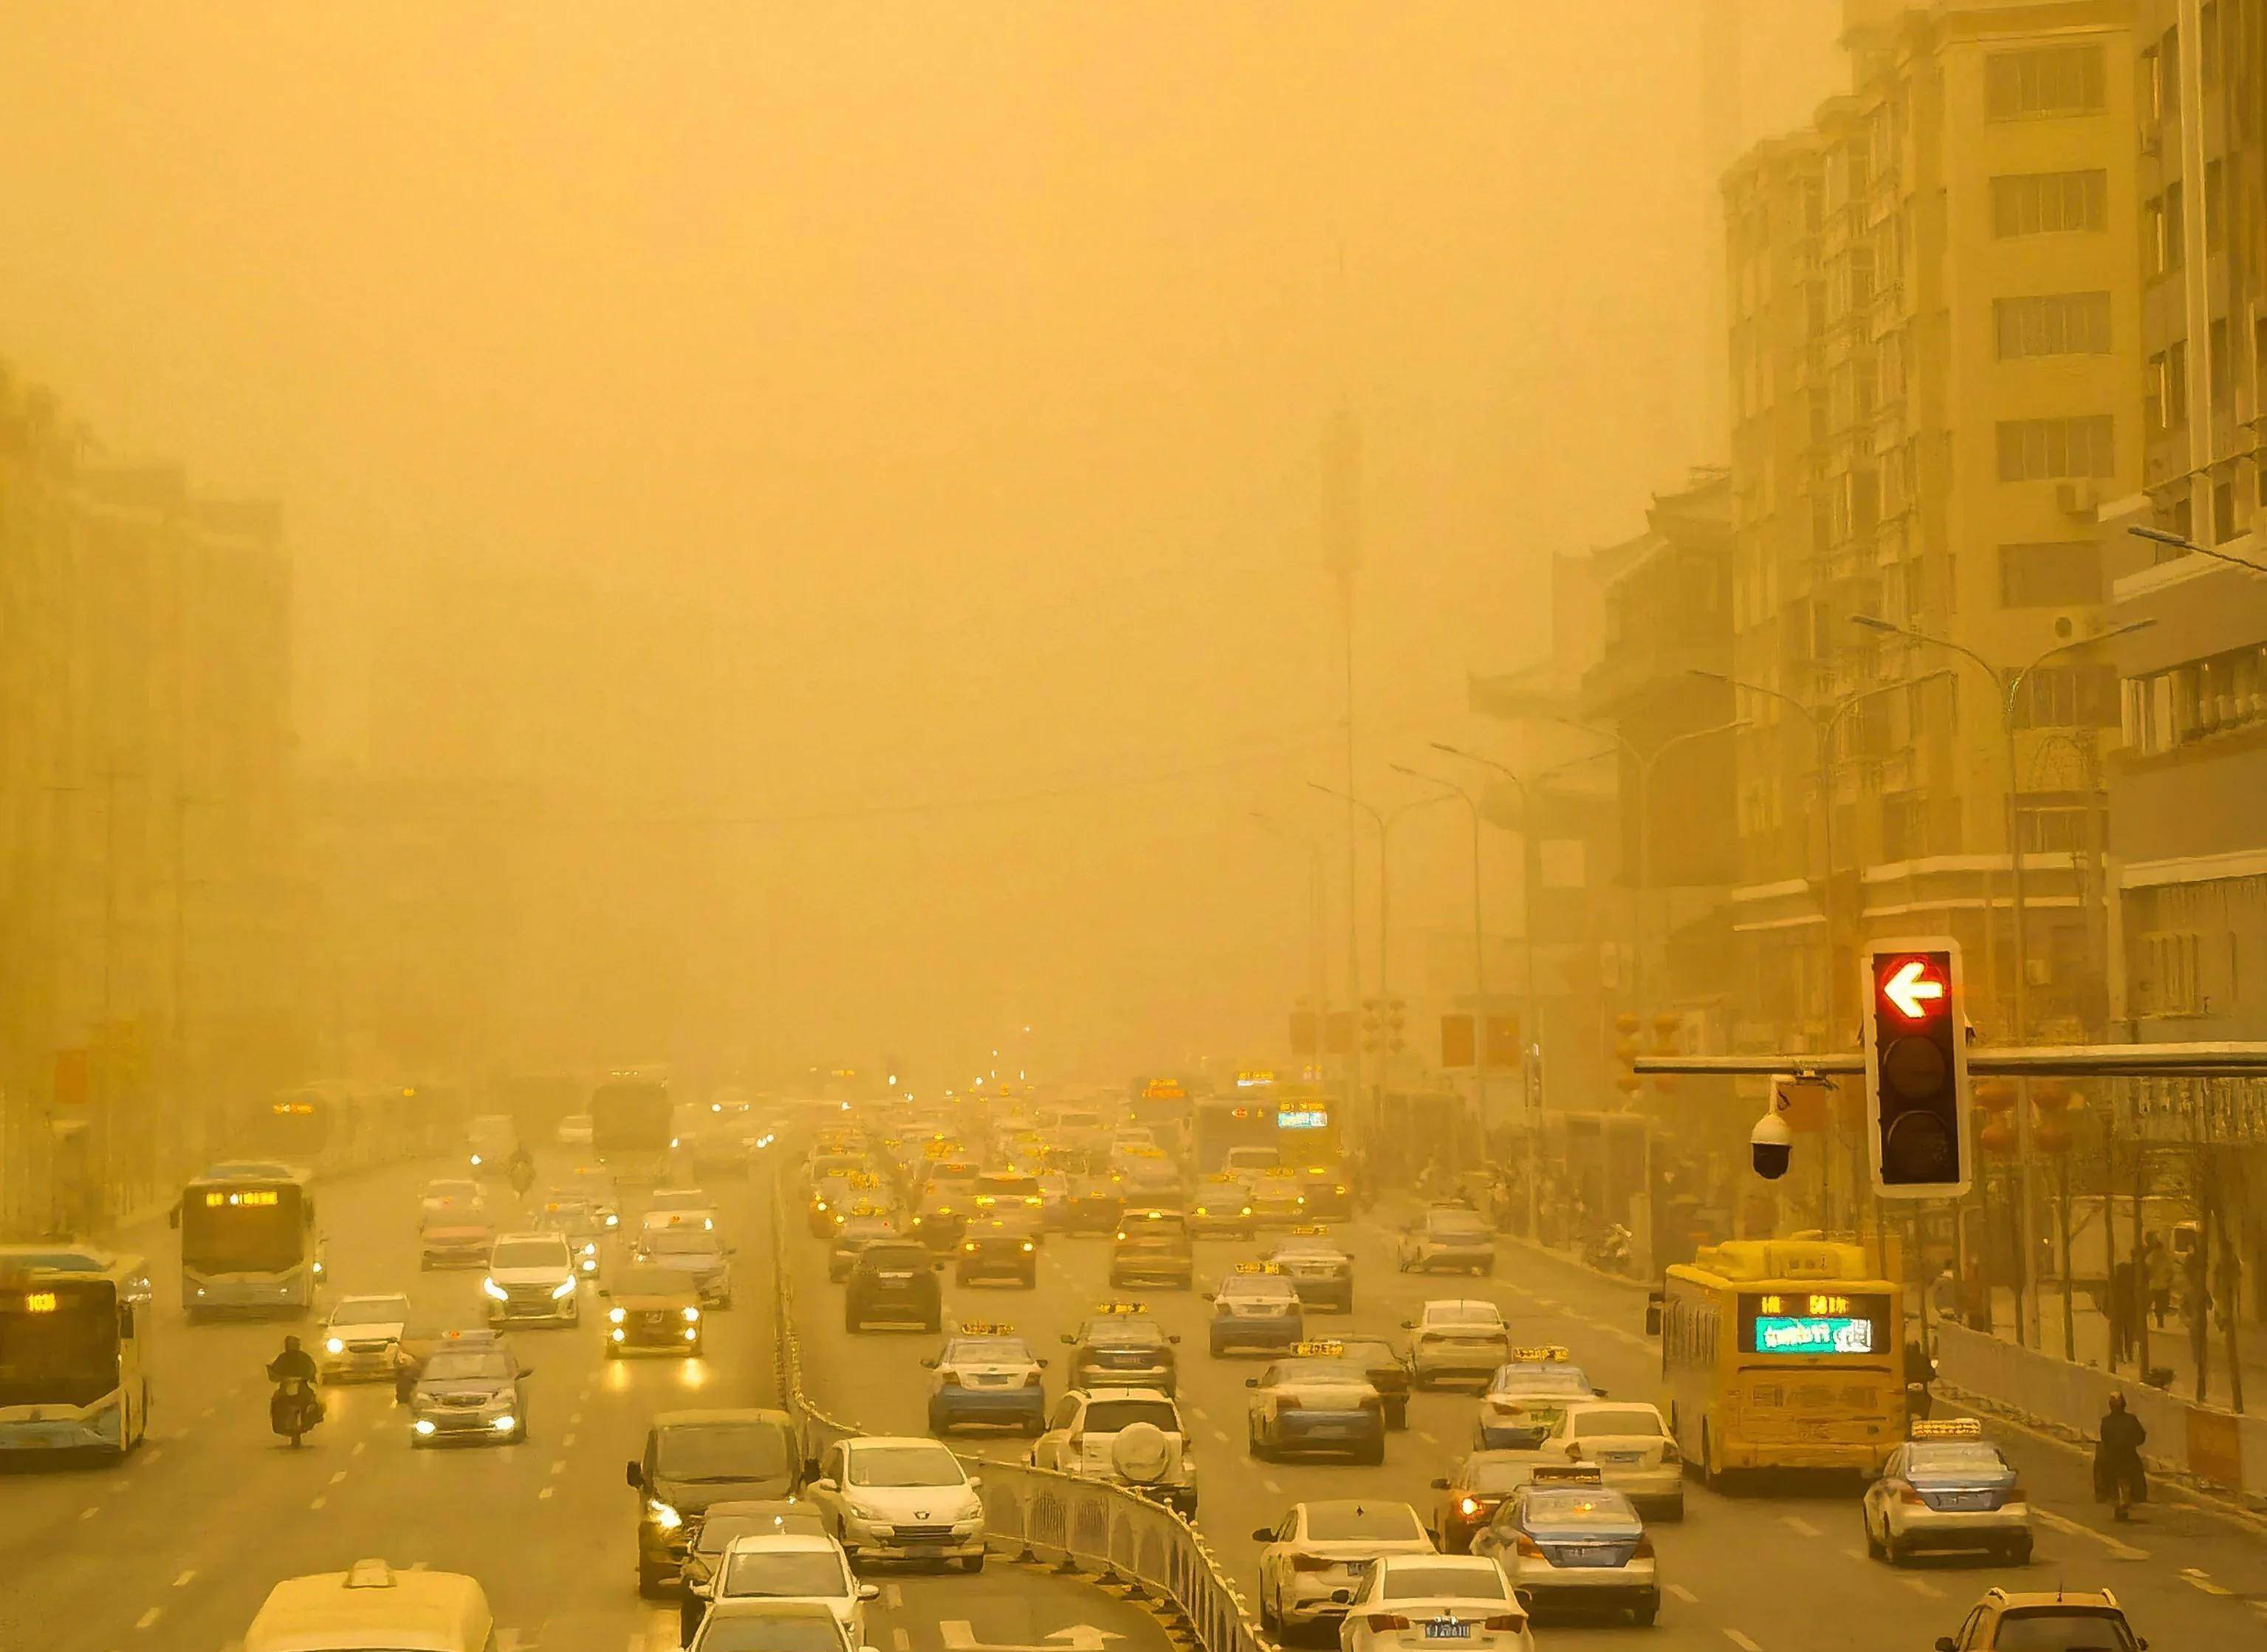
(1936, 387)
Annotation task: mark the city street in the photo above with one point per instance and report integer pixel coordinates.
(1770, 1571)
(176, 1547)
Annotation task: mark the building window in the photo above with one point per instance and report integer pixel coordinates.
(2176, 384)
(2176, 228)
(2223, 512)
(2052, 324)
(2167, 87)
(2153, 408)
(2169, 709)
(2044, 450)
(2047, 80)
(2049, 203)
(1905, 828)
(2169, 986)
(2215, 215)
(2068, 697)
(2057, 824)
(2153, 235)
(2065, 574)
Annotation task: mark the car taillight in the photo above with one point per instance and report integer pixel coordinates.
(1670, 1453)
(1526, 1546)
(1907, 1493)
(1310, 1563)
(1509, 1622)
(1467, 1506)
(2012, 1495)
(949, 1379)
(1381, 1621)
(1031, 1379)
(1644, 1550)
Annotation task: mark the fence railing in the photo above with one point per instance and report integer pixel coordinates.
(1037, 1513)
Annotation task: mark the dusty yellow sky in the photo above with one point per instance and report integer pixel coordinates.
(957, 371)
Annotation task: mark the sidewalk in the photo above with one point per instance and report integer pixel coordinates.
(2168, 1349)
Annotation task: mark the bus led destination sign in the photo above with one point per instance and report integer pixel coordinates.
(1814, 1323)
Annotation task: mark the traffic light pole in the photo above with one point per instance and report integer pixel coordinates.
(2058, 1060)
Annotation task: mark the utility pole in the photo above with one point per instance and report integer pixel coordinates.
(1480, 939)
(1342, 554)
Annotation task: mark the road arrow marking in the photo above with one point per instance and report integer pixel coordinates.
(1908, 992)
(1084, 1637)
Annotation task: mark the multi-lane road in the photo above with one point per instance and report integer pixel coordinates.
(1754, 1571)
(174, 1550)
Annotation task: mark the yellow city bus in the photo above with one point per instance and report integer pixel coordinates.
(1781, 1354)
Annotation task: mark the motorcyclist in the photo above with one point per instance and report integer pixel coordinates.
(2119, 1476)
(1920, 1371)
(523, 1171)
(294, 1363)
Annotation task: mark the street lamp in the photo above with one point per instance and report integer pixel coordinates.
(1645, 762)
(2009, 685)
(1384, 821)
(2165, 536)
(1319, 984)
(1444, 788)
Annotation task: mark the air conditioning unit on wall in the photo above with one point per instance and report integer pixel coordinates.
(2078, 498)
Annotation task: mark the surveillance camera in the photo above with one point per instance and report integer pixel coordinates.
(1770, 1147)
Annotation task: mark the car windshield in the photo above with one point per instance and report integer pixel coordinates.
(1615, 1419)
(1494, 1473)
(1962, 1458)
(461, 1367)
(650, 1281)
(1444, 1582)
(529, 1254)
(2062, 1629)
(891, 1257)
(727, 1631)
(1590, 1508)
(1138, 1334)
(1540, 1379)
(1260, 1286)
(903, 1466)
(372, 1310)
(679, 1199)
(1370, 1350)
(1455, 1225)
(679, 1242)
(1293, 1373)
(717, 1530)
(1352, 1522)
(721, 1452)
(786, 1572)
(989, 1350)
(1108, 1416)
(1453, 1314)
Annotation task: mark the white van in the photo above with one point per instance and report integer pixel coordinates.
(373, 1608)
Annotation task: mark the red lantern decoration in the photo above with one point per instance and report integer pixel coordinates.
(2051, 1136)
(1998, 1136)
(1993, 1094)
(2050, 1095)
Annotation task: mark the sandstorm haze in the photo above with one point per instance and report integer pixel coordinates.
(811, 515)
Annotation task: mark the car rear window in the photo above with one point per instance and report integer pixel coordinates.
(1444, 1582)
(727, 1631)
(1589, 1425)
(1588, 1509)
(1124, 1333)
(893, 1256)
(1108, 1416)
(1540, 1379)
(1349, 1522)
(785, 1572)
(2062, 1629)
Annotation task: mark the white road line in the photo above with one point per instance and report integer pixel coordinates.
(2196, 1577)
(207, 1412)
(1922, 1586)
(152, 1454)
(893, 1597)
(2064, 1524)
(319, 1503)
(149, 1617)
(900, 1641)
(566, 1442)
(182, 1582)
(574, 1419)
(560, 1467)
(1797, 1524)
(90, 1511)
(1858, 1555)
(545, 1492)
(955, 1631)
(336, 1478)
(1741, 1641)
(360, 1446)
(1682, 1594)
(1221, 1435)
(1271, 1485)
(1425, 1435)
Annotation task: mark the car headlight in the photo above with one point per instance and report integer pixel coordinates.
(617, 1315)
(335, 1344)
(661, 1515)
(423, 1425)
(495, 1289)
(504, 1424)
(691, 1315)
(616, 1334)
(613, 1222)
(590, 1247)
(476, 1161)
(563, 1290)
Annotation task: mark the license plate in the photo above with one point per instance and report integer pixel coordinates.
(1448, 1632)
(894, 1277)
(1964, 1500)
(1359, 1569)
(1331, 1431)
(1620, 1457)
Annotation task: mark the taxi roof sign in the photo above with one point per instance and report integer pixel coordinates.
(1259, 1267)
(1551, 1353)
(1311, 1231)
(1121, 1307)
(984, 1328)
(1566, 1474)
(1947, 1429)
(1329, 1350)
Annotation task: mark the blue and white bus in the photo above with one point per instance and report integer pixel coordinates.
(249, 1244)
(74, 1329)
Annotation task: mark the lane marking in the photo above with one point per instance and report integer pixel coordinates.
(560, 1467)
(1797, 1524)
(545, 1492)
(900, 1641)
(1922, 1586)
(319, 1503)
(2065, 1524)
(2196, 1577)
(90, 1511)
(149, 1617)
(207, 1412)
(1682, 1594)
(893, 1597)
(360, 1446)
(153, 1454)
(182, 1582)
(574, 1419)
(566, 1442)
(1858, 1555)
(955, 1631)
(1272, 1486)
(1741, 1641)
(1221, 1435)
(1424, 1435)
(336, 1478)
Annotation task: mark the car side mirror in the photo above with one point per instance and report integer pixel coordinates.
(1525, 1598)
(1653, 1315)
(1408, 1324)
(827, 1484)
(1251, 1381)
(870, 1591)
(1341, 1596)
(635, 1475)
(1042, 1364)
(174, 1216)
(1263, 1534)
(1175, 1338)
(1069, 1342)
(526, 1370)
(1946, 1644)
(928, 1365)
(976, 1482)
(1441, 1484)
(1599, 1393)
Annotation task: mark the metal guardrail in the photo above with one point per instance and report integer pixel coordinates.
(1037, 1513)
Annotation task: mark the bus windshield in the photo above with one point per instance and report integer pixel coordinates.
(58, 1344)
(242, 1229)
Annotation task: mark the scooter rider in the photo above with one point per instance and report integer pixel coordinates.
(294, 1363)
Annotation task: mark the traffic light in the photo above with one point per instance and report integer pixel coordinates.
(1916, 1069)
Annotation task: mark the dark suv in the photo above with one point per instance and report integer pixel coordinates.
(1152, 1248)
(894, 1282)
(993, 1249)
(693, 1458)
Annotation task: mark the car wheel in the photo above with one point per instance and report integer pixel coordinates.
(852, 1323)
(1397, 1413)
(973, 1563)
(1374, 1452)
(2020, 1553)
(1268, 1619)
(1643, 1616)
(652, 1579)
(1872, 1543)
(1892, 1551)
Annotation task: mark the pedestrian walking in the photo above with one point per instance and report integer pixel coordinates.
(2157, 1276)
(2124, 1306)
(2118, 1474)
(1944, 1295)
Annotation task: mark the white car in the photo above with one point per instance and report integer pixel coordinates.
(894, 1497)
(1567, 1540)
(1133, 1436)
(798, 1567)
(574, 1130)
(677, 1206)
(1630, 1443)
(985, 1376)
(1434, 1601)
(452, 1203)
(1314, 1401)
(531, 1281)
(1320, 1554)
(1947, 1488)
(1456, 1338)
(1526, 1397)
(1446, 1237)
(771, 1625)
(363, 1338)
